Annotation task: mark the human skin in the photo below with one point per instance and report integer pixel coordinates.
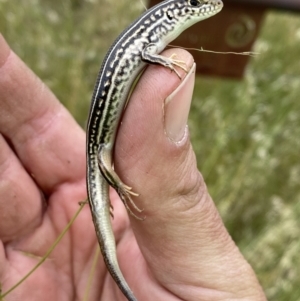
(181, 251)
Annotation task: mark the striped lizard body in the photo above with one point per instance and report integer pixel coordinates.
(138, 45)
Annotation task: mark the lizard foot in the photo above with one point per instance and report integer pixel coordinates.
(125, 192)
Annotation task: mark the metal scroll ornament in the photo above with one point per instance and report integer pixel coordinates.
(241, 33)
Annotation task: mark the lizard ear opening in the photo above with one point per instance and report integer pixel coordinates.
(169, 15)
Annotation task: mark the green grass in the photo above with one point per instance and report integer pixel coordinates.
(246, 134)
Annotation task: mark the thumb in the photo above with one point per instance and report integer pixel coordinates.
(183, 239)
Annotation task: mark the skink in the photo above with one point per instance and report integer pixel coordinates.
(138, 45)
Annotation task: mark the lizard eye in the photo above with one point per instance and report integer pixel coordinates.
(194, 2)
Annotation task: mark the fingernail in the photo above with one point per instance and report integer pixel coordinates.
(4, 50)
(177, 107)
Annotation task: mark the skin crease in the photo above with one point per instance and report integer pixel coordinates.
(180, 252)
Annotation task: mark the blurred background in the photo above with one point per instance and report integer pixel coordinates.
(245, 128)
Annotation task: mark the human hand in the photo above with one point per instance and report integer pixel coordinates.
(181, 251)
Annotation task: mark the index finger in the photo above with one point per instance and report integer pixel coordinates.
(42, 133)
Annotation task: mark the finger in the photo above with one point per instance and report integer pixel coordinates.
(42, 133)
(17, 217)
(183, 231)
